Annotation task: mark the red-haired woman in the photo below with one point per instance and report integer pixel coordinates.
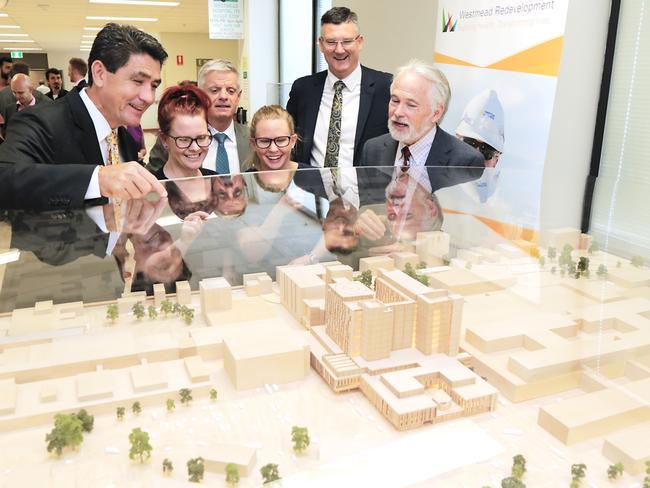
(183, 122)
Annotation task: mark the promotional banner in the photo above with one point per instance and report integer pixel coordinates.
(502, 60)
(226, 19)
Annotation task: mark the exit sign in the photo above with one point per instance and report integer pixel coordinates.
(16, 54)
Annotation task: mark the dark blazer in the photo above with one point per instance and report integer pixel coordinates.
(304, 103)
(62, 93)
(12, 110)
(60, 132)
(42, 186)
(450, 162)
(80, 86)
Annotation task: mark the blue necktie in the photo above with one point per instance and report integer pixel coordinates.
(223, 168)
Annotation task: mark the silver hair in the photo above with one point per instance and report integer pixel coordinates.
(440, 92)
(216, 65)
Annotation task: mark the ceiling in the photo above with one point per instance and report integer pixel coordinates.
(58, 25)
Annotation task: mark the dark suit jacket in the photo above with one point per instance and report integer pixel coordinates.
(158, 154)
(304, 103)
(450, 162)
(42, 186)
(80, 86)
(12, 110)
(62, 93)
(60, 132)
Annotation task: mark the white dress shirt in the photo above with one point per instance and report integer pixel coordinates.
(210, 161)
(346, 185)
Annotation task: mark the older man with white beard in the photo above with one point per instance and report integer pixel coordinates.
(419, 96)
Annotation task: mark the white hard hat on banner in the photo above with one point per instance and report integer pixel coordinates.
(483, 120)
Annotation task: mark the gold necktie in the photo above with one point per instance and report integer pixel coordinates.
(113, 149)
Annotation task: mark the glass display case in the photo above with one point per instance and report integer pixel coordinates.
(361, 327)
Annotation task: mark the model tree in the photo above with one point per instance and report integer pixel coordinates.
(195, 469)
(300, 438)
(518, 466)
(168, 467)
(67, 432)
(594, 247)
(542, 261)
(365, 277)
(637, 261)
(551, 253)
(136, 408)
(186, 396)
(583, 266)
(512, 482)
(153, 313)
(614, 471)
(120, 413)
(171, 405)
(213, 394)
(187, 314)
(176, 308)
(601, 272)
(166, 307)
(409, 270)
(578, 472)
(446, 260)
(138, 310)
(140, 446)
(112, 312)
(87, 421)
(232, 474)
(270, 473)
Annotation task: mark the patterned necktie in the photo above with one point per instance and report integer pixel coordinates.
(113, 149)
(334, 131)
(222, 166)
(406, 156)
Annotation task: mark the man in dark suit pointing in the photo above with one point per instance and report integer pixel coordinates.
(337, 110)
(87, 127)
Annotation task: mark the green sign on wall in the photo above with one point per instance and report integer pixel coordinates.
(16, 54)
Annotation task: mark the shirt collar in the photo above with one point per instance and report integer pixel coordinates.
(351, 81)
(420, 149)
(32, 103)
(102, 128)
(230, 131)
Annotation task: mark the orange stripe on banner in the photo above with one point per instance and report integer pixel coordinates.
(543, 59)
(442, 58)
(524, 238)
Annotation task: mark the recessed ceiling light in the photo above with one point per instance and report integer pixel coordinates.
(4, 15)
(93, 28)
(132, 19)
(9, 27)
(11, 34)
(18, 40)
(152, 3)
(89, 36)
(21, 48)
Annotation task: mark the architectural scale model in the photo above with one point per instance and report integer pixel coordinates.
(498, 337)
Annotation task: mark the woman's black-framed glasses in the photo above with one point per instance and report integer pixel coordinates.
(183, 142)
(265, 142)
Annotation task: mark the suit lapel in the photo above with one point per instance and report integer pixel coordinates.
(88, 137)
(313, 104)
(440, 148)
(365, 101)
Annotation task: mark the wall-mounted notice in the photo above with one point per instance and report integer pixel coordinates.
(226, 19)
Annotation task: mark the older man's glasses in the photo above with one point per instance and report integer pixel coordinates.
(331, 44)
(183, 142)
(265, 142)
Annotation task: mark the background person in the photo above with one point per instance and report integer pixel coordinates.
(482, 127)
(55, 82)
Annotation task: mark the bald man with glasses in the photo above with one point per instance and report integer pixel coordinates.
(338, 109)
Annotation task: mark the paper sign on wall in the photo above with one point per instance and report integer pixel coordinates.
(226, 19)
